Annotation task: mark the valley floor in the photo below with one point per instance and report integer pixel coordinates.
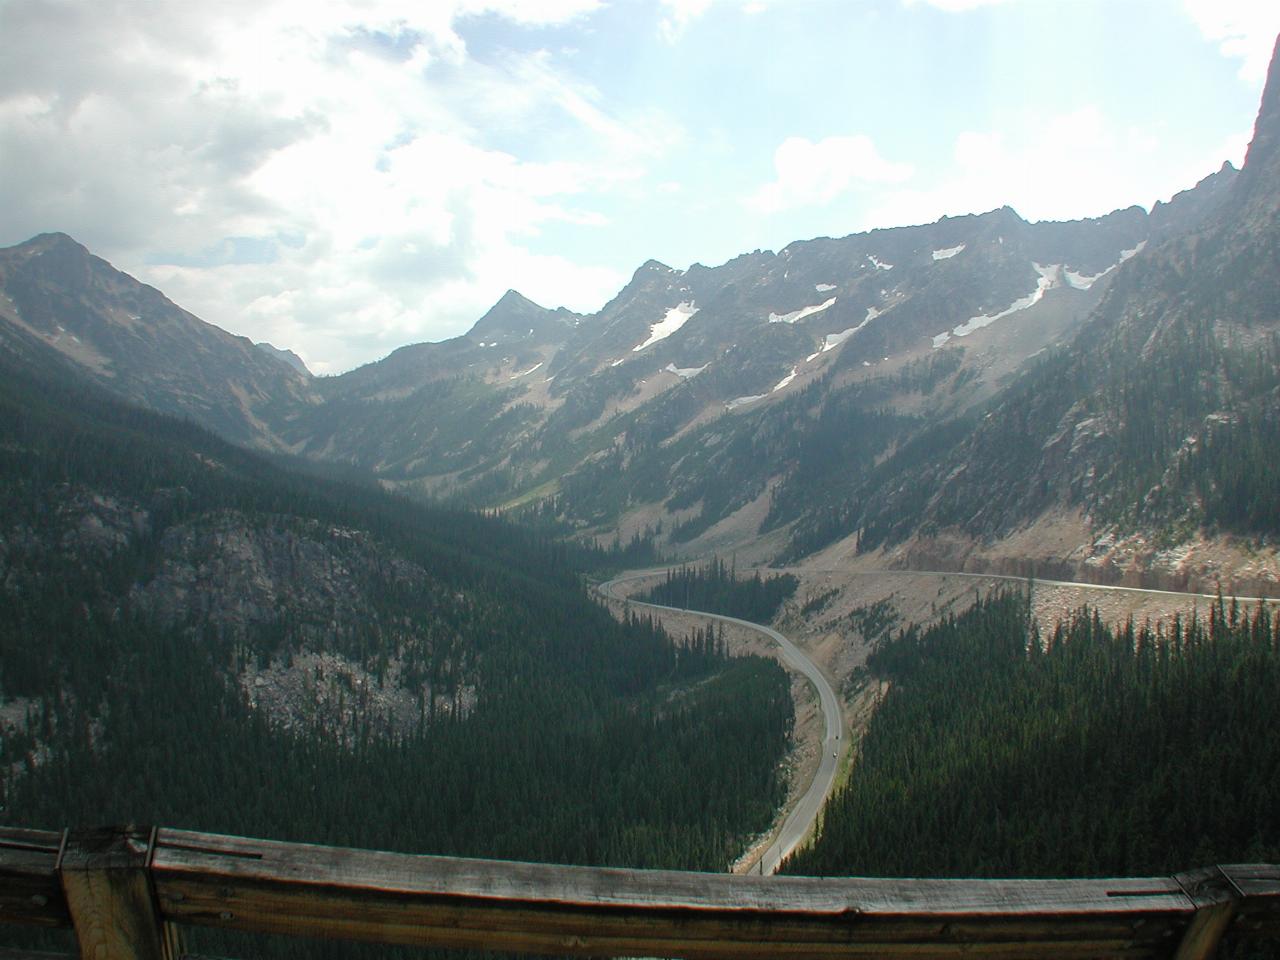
(811, 776)
(839, 612)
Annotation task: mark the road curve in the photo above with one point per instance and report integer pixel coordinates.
(804, 815)
(1036, 581)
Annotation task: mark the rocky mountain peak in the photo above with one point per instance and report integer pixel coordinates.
(127, 335)
(1188, 209)
(1266, 130)
(650, 267)
(516, 317)
(53, 241)
(288, 357)
(1256, 183)
(513, 300)
(51, 258)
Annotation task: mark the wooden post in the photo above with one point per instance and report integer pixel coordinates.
(1216, 901)
(30, 892)
(106, 879)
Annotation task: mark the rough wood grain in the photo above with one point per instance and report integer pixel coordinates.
(30, 893)
(179, 852)
(105, 877)
(1258, 885)
(1205, 931)
(127, 891)
(397, 898)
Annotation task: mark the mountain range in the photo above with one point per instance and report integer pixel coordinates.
(191, 632)
(1095, 399)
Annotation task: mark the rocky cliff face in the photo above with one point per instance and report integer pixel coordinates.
(530, 397)
(529, 394)
(131, 339)
(1153, 421)
(329, 628)
(809, 394)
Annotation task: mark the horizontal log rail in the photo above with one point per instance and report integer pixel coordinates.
(128, 891)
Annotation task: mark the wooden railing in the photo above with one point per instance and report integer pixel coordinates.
(128, 891)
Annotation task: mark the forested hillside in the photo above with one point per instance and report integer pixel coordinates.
(192, 636)
(1090, 751)
(1154, 423)
(716, 587)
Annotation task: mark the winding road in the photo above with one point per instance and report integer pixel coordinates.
(800, 821)
(803, 816)
(1035, 581)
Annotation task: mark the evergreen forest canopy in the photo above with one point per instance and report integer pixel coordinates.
(715, 587)
(573, 737)
(1092, 752)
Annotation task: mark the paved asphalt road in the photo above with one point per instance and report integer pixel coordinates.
(1037, 581)
(804, 815)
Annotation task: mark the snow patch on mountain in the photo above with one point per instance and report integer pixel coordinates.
(1128, 254)
(796, 315)
(824, 287)
(834, 340)
(684, 373)
(784, 381)
(1050, 277)
(1082, 282)
(947, 252)
(879, 264)
(527, 372)
(1079, 281)
(675, 318)
(737, 402)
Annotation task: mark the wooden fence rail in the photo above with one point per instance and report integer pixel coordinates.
(128, 891)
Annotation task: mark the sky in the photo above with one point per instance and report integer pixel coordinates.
(344, 177)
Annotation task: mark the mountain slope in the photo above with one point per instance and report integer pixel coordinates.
(191, 634)
(1154, 423)
(531, 398)
(492, 417)
(866, 390)
(131, 339)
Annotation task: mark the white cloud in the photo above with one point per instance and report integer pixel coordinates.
(342, 142)
(532, 11)
(811, 173)
(1242, 29)
(679, 14)
(1064, 167)
(956, 6)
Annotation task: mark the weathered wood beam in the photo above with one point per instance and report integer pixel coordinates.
(106, 879)
(126, 889)
(30, 892)
(1258, 886)
(268, 887)
(1216, 901)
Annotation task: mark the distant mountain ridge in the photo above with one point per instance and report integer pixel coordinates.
(190, 632)
(959, 379)
(1154, 423)
(131, 339)
(288, 356)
